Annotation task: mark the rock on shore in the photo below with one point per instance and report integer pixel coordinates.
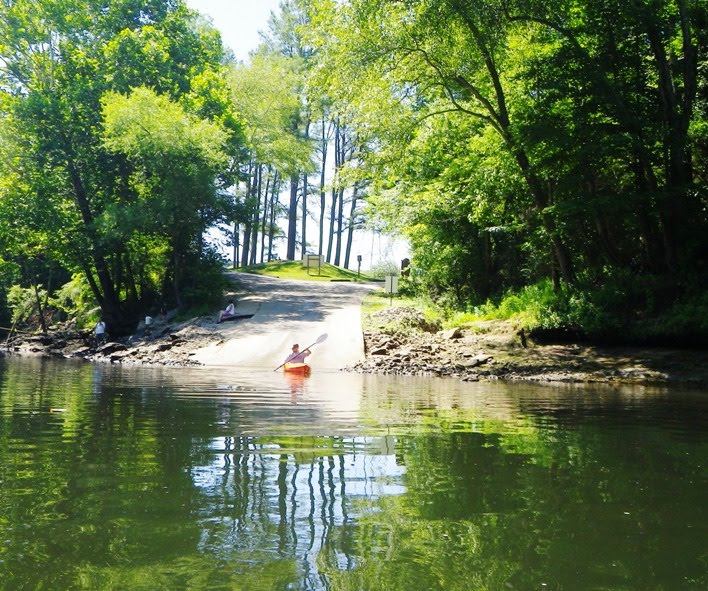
(166, 343)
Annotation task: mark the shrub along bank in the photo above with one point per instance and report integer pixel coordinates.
(624, 310)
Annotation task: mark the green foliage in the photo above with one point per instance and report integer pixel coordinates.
(9, 274)
(524, 307)
(622, 308)
(117, 129)
(520, 142)
(23, 302)
(203, 290)
(265, 92)
(383, 268)
(684, 323)
(76, 300)
(627, 308)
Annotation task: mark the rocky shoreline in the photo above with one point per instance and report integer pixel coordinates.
(165, 343)
(400, 341)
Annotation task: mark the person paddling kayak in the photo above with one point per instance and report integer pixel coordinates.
(295, 362)
(297, 356)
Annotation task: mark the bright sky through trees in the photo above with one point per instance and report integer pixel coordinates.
(238, 21)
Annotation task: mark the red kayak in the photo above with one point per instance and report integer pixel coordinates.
(300, 368)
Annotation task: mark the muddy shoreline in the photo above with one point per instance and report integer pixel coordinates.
(399, 341)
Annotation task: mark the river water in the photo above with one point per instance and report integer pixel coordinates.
(173, 478)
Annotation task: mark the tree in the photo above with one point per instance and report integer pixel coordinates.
(265, 93)
(175, 158)
(59, 60)
(531, 138)
(285, 39)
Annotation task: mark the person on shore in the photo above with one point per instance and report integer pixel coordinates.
(297, 356)
(228, 312)
(100, 332)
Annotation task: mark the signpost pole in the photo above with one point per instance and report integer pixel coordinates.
(391, 287)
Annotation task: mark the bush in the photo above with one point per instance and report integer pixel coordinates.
(9, 274)
(525, 307)
(207, 283)
(383, 268)
(76, 300)
(627, 308)
(23, 302)
(622, 308)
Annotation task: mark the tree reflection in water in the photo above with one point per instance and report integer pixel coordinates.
(292, 498)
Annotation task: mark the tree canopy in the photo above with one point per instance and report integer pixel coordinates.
(116, 123)
(511, 141)
(518, 140)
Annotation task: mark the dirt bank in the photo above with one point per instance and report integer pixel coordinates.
(400, 341)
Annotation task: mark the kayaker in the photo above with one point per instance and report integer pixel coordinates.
(297, 356)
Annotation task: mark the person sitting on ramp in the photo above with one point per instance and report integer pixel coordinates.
(227, 313)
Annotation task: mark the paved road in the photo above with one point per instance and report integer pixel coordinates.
(286, 311)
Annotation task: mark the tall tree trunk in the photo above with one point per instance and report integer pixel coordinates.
(40, 308)
(305, 191)
(677, 108)
(255, 219)
(248, 199)
(273, 203)
(264, 219)
(237, 229)
(350, 232)
(176, 270)
(323, 195)
(292, 217)
(130, 278)
(340, 227)
(106, 296)
(237, 243)
(498, 115)
(338, 161)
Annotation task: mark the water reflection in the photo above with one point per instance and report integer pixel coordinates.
(297, 383)
(169, 478)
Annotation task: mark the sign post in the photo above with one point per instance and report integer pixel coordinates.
(391, 287)
(312, 260)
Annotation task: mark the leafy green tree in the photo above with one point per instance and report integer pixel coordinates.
(517, 140)
(66, 192)
(175, 159)
(265, 93)
(285, 38)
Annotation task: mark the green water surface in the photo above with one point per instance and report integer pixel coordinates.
(120, 478)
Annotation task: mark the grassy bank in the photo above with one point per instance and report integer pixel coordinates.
(629, 312)
(296, 270)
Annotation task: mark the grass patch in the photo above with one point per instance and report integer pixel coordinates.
(379, 300)
(295, 270)
(524, 309)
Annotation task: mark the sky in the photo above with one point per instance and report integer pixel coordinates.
(238, 21)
